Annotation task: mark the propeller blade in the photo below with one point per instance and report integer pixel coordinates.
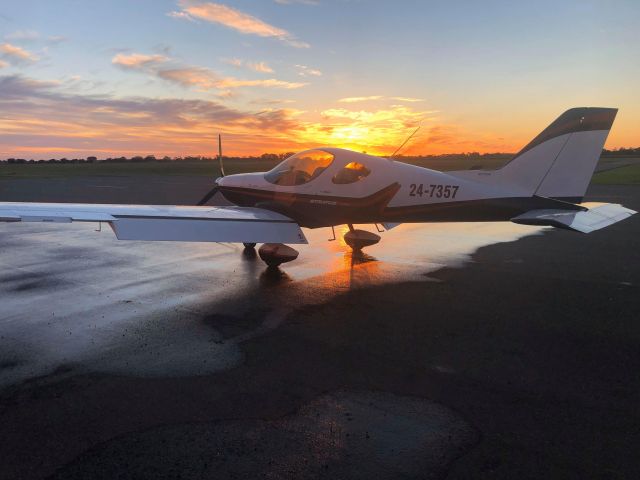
(213, 191)
(208, 196)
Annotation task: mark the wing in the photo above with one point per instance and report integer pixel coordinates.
(169, 223)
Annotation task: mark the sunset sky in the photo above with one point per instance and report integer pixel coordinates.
(164, 77)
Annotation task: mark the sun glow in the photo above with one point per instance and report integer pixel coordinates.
(81, 125)
(350, 134)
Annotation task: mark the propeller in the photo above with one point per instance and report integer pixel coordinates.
(208, 196)
(220, 155)
(215, 189)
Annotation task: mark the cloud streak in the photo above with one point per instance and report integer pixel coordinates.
(380, 97)
(360, 99)
(194, 76)
(48, 118)
(15, 54)
(260, 67)
(236, 20)
(303, 2)
(40, 117)
(408, 99)
(137, 60)
(181, 16)
(23, 35)
(205, 79)
(305, 71)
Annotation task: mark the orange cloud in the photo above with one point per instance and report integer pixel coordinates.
(399, 113)
(49, 119)
(199, 77)
(237, 20)
(407, 99)
(191, 76)
(17, 54)
(359, 99)
(379, 97)
(377, 131)
(45, 119)
(260, 67)
(205, 79)
(137, 60)
(270, 82)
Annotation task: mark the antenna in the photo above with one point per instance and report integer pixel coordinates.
(405, 142)
(220, 155)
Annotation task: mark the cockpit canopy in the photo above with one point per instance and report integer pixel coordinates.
(300, 168)
(352, 172)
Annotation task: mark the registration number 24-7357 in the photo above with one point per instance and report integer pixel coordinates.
(438, 191)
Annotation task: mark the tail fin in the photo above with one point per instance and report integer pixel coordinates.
(560, 161)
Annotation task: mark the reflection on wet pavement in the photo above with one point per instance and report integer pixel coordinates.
(73, 299)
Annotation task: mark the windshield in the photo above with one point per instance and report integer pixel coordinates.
(300, 168)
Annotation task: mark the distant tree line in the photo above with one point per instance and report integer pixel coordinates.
(271, 157)
(455, 156)
(149, 158)
(621, 152)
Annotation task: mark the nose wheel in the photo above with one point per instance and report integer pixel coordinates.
(249, 245)
(358, 239)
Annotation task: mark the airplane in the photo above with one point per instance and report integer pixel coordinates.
(542, 185)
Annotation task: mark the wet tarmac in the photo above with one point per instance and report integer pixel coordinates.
(80, 300)
(386, 436)
(458, 350)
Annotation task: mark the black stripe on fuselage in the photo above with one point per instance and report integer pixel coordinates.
(315, 211)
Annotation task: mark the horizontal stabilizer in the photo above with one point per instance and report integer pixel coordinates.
(585, 221)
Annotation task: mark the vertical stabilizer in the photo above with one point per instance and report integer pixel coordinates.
(560, 161)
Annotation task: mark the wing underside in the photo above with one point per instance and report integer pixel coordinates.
(166, 223)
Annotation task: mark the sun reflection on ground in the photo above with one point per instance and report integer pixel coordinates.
(405, 253)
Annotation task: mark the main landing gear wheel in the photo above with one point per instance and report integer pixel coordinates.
(249, 245)
(274, 254)
(358, 239)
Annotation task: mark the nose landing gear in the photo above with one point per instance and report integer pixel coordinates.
(358, 239)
